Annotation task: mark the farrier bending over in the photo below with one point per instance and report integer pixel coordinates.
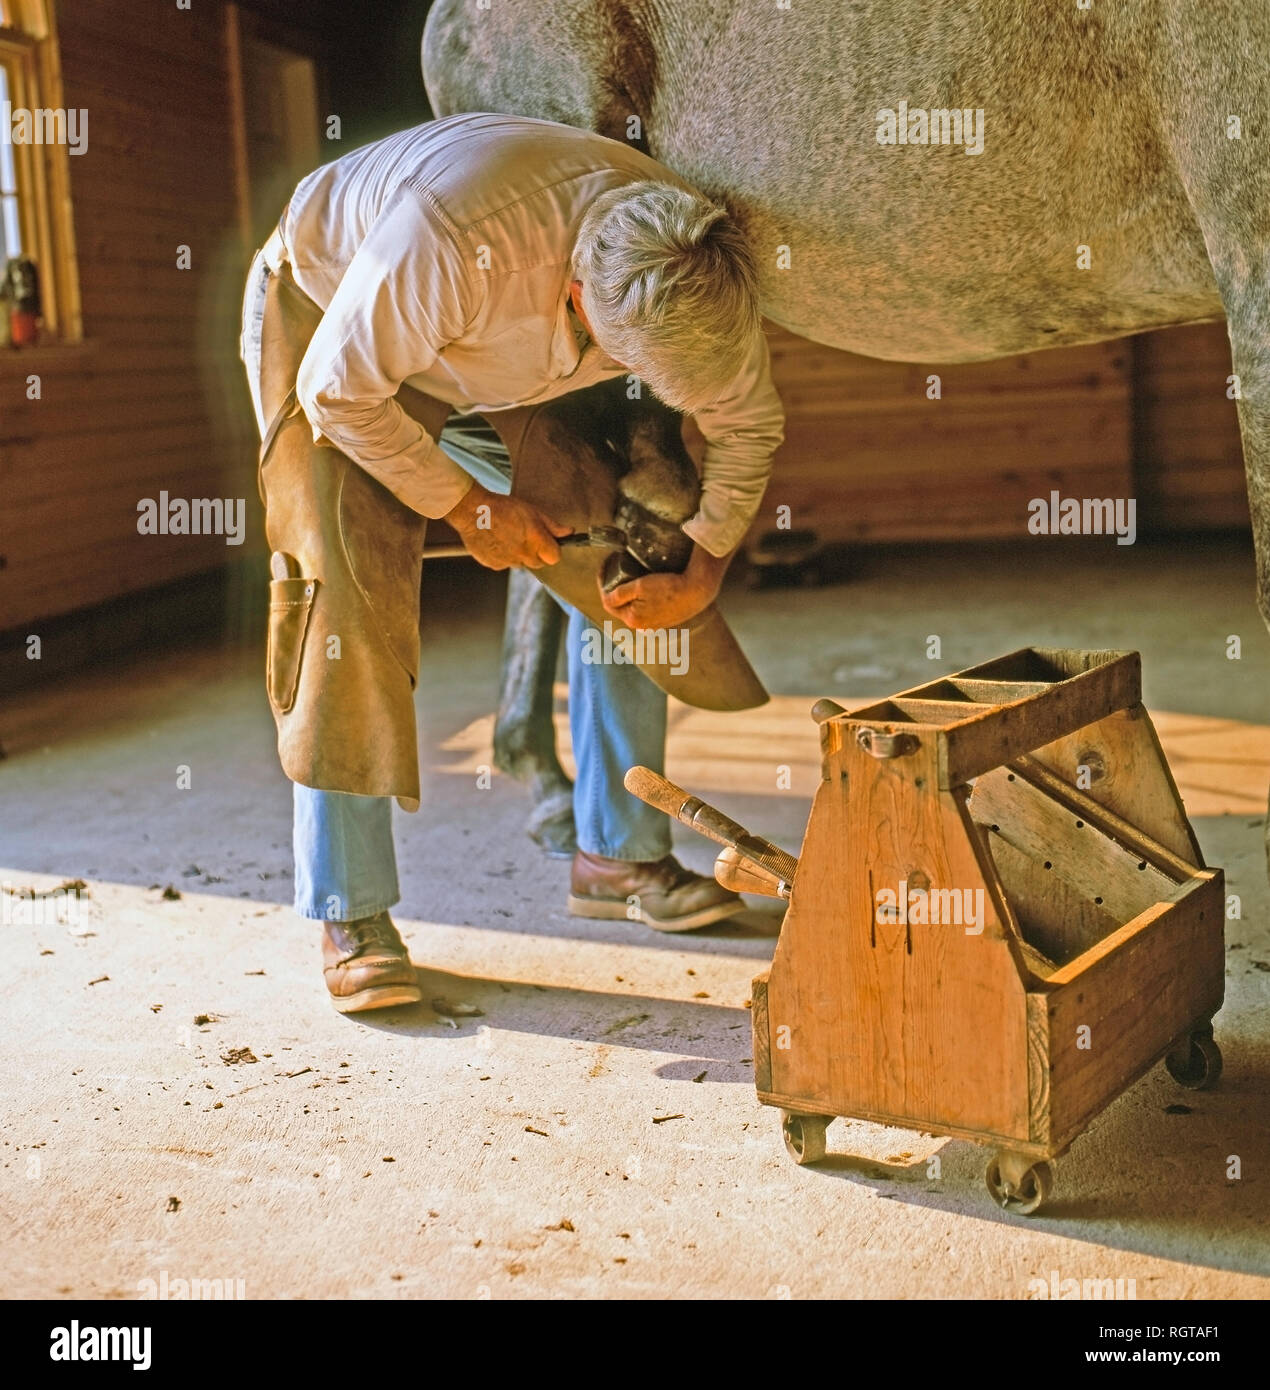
(489, 262)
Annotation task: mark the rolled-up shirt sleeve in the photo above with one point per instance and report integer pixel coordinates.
(742, 430)
(405, 294)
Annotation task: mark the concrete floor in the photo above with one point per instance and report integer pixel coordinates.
(593, 1132)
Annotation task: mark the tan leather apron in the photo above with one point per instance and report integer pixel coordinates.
(343, 645)
(343, 649)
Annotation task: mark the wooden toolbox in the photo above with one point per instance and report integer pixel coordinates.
(999, 920)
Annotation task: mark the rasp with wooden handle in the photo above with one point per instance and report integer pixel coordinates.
(742, 875)
(708, 820)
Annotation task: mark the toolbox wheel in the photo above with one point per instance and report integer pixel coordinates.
(1017, 1183)
(804, 1136)
(1196, 1061)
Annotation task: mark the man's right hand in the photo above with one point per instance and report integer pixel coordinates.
(503, 531)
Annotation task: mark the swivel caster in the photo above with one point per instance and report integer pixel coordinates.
(1018, 1183)
(1195, 1061)
(804, 1136)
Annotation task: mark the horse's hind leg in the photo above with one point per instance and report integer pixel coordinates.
(524, 731)
(1217, 68)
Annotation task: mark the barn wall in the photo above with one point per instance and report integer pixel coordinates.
(151, 399)
(869, 456)
(1189, 462)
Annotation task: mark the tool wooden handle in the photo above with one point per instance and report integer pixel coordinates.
(651, 787)
(283, 566)
(709, 821)
(824, 710)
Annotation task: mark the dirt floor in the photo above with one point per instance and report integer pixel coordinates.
(589, 1128)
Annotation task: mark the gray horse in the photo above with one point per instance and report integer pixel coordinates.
(924, 180)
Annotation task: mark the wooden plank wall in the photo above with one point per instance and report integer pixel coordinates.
(153, 398)
(1190, 465)
(868, 457)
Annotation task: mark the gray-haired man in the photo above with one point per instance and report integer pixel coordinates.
(490, 262)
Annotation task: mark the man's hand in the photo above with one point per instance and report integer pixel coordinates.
(668, 600)
(503, 531)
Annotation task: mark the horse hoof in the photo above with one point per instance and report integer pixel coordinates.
(558, 838)
(551, 826)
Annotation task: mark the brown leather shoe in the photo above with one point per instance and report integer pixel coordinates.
(367, 966)
(661, 893)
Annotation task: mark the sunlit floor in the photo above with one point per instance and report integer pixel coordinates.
(593, 1129)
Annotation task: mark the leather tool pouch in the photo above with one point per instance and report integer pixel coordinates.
(290, 605)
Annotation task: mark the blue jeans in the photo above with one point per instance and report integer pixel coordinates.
(345, 861)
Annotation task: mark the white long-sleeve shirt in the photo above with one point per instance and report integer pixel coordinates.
(441, 257)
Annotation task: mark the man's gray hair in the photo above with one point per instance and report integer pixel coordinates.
(670, 288)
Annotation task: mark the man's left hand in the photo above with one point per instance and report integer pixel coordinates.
(659, 600)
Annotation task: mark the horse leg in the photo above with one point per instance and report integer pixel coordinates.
(1249, 325)
(1222, 57)
(524, 730)
(601, 450)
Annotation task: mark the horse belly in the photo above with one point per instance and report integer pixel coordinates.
(912, 310)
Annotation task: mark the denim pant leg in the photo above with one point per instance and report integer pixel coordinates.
(617, 717)
(345, 863)
(345, 860)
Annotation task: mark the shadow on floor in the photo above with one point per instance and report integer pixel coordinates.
(1118, 1185)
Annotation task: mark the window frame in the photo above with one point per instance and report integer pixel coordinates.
(28, 48)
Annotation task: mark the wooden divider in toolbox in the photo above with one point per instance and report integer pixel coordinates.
(1072, 871)
(991, 714)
